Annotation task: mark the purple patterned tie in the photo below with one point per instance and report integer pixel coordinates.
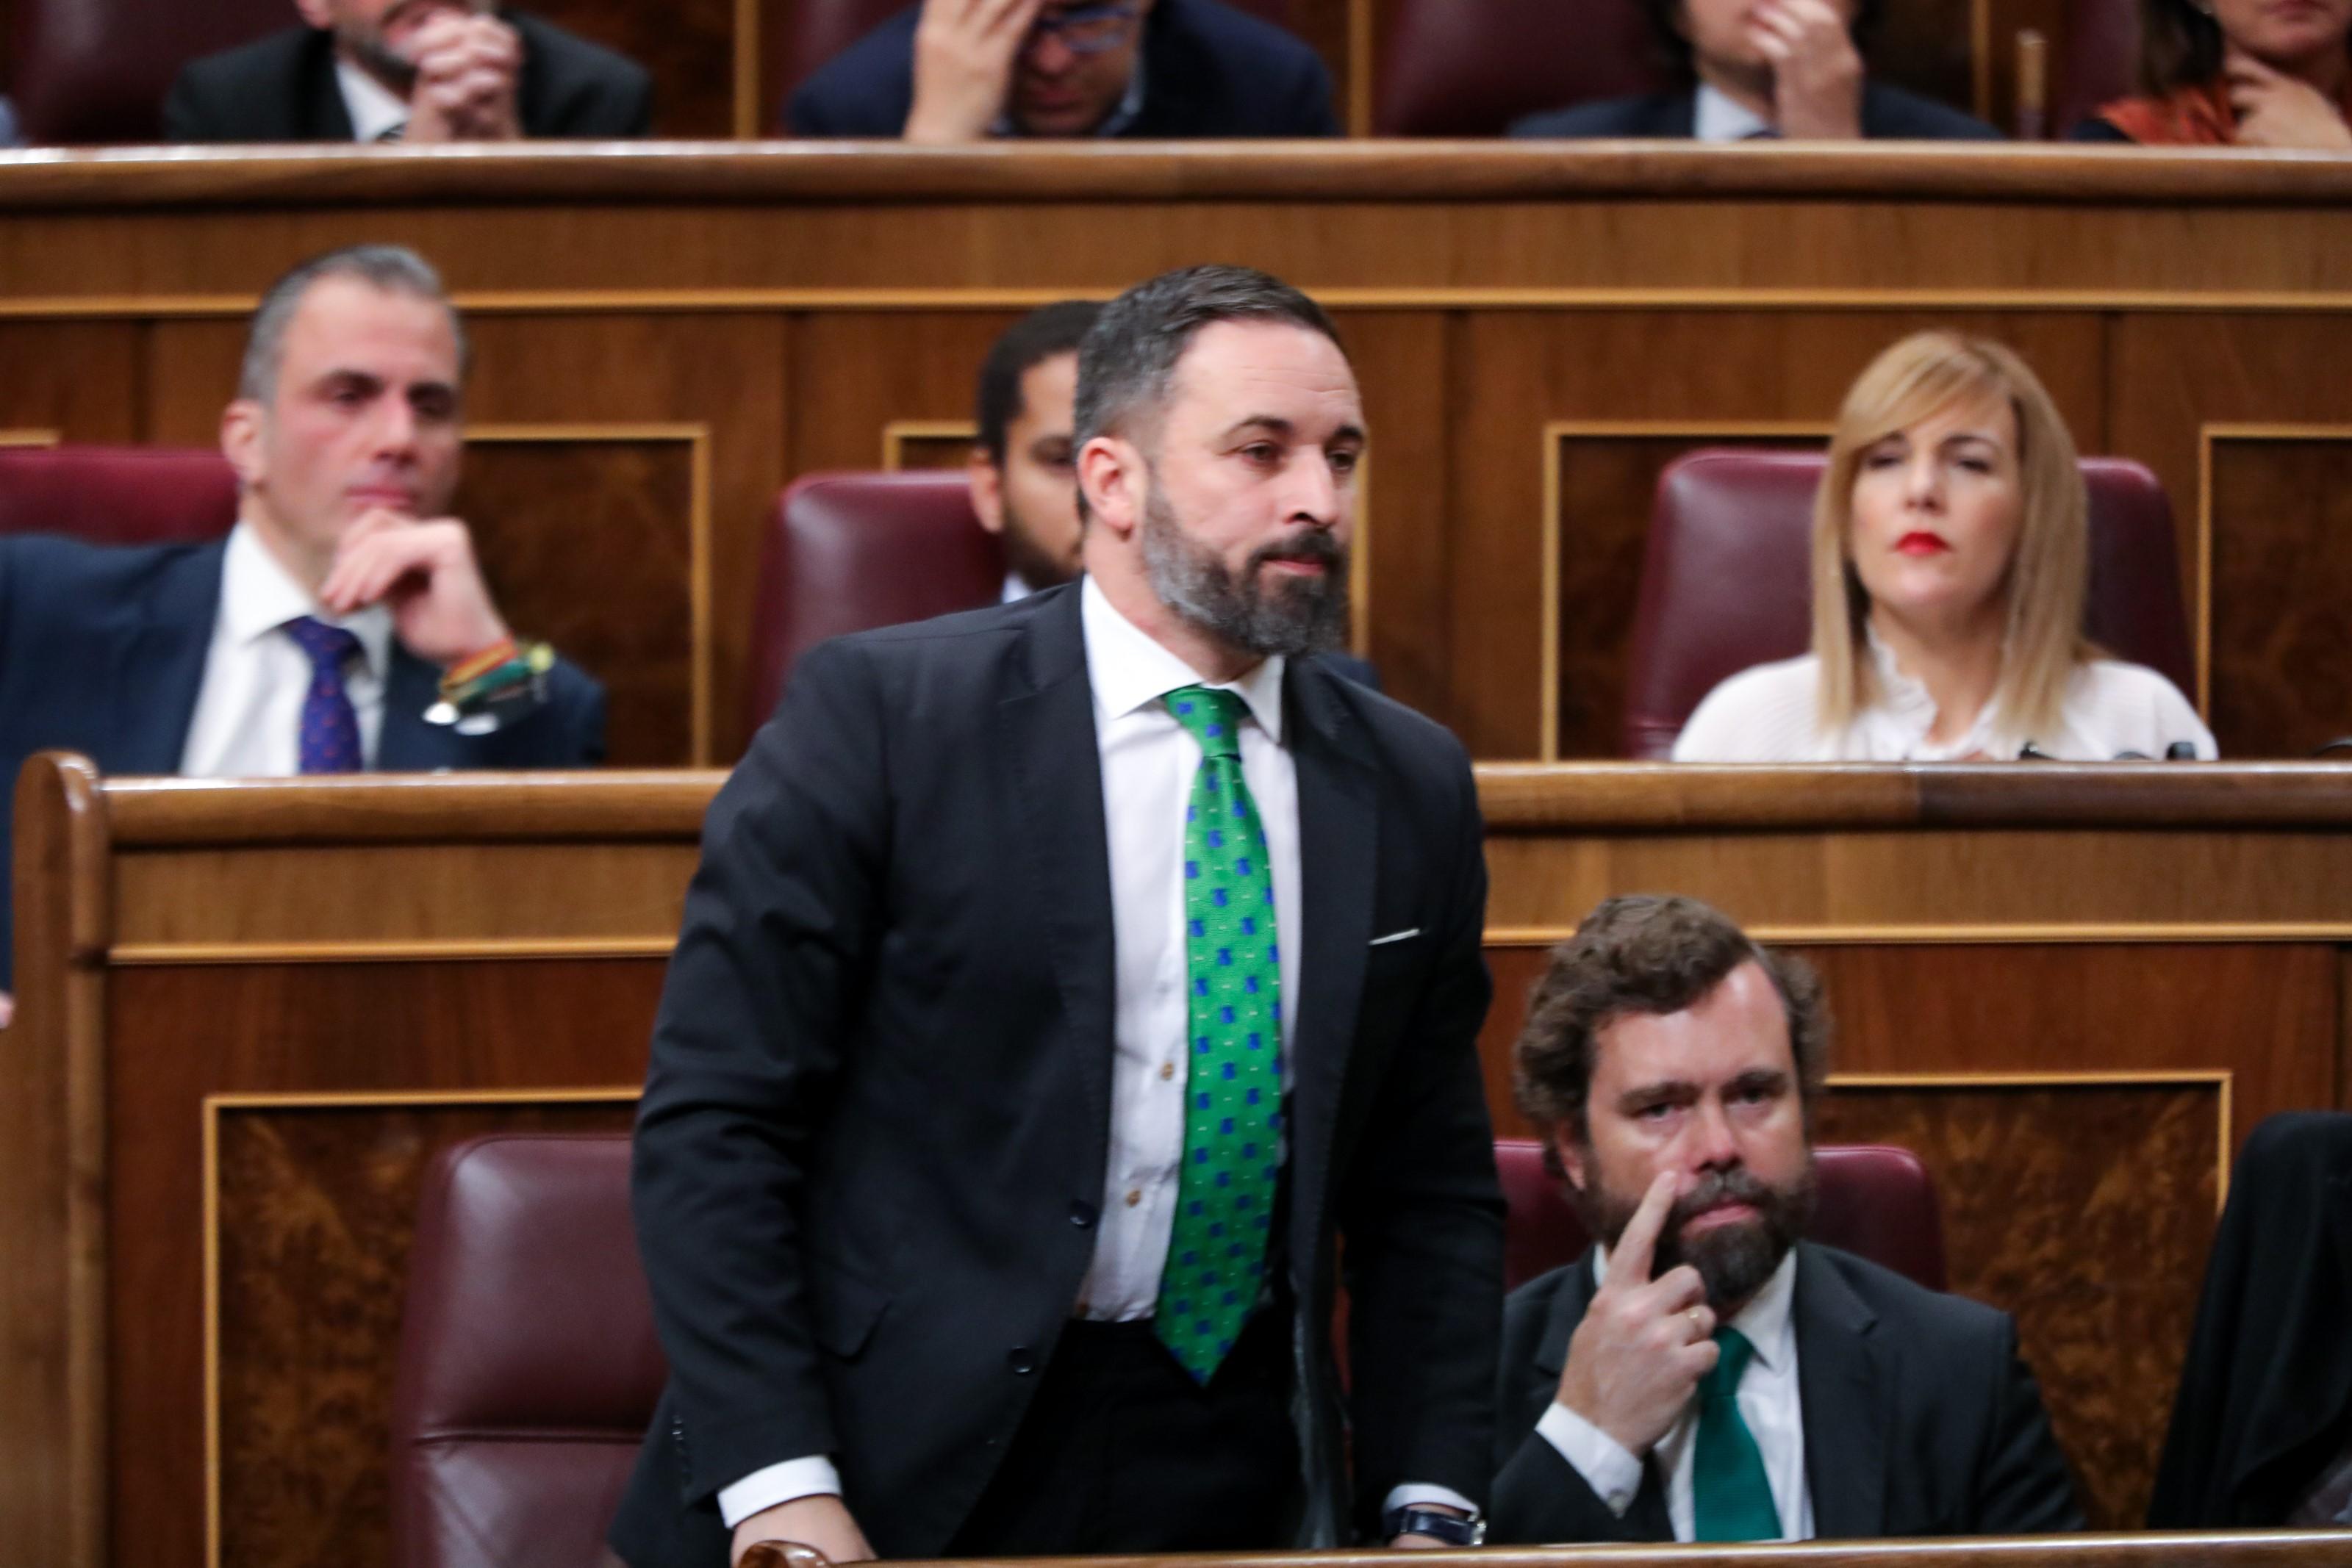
(329, 741)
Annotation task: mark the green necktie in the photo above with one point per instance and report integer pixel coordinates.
(1232, 1088)
(1731, 1498)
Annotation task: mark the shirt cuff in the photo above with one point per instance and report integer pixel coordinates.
(1613, 1474)
(1413, 1493)
(785, 1482)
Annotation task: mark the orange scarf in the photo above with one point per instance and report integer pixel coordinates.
(2187, 116)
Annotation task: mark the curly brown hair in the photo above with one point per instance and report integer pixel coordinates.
(1652, 954)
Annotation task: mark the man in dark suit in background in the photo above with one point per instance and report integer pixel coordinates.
(951, 71)
(1757, 71)
(1702, 1374)
(315, 637)
(410, 70)
(1062, 982)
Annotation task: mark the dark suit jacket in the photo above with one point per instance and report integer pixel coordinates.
(1888, 114)
(876, 1122)
(1209, 71)
(1919, 1417)
(103, 652)
(282, 89)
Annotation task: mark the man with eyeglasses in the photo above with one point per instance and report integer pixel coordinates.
(953, 71)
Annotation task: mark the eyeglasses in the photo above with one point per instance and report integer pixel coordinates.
(1087, 29)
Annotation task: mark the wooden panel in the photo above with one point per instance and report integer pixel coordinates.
(1405, 366)
(2282, 649)
(177, 1035)
(315, 1211)
(688, 46)
(599, 544)
(76, 379)
(2045, 1191)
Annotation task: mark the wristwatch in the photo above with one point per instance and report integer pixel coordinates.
(1451, 1528)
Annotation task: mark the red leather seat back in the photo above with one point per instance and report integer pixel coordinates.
(1447, 68)
(528, 1367)
(1728, 579)
(2101, 62)
(96, 70)
(847, 552)
(117, 494)
(801, 36)
(1876, 1202)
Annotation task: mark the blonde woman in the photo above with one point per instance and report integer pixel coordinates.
(1950, 559)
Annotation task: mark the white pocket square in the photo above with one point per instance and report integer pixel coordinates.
(1393, 937)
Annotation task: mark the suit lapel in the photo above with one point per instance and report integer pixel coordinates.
(324, 115)
(1049, 733)
(160, 665)
(1843, 1391)
(1338, 851)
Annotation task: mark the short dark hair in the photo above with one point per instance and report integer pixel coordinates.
(1048, 330)
(2180, 45)
(1645, 954)
(1128, 358)
(1664, 17)
(394, 268)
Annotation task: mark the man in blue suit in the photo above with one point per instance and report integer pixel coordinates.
(316, 636)
(949, 71)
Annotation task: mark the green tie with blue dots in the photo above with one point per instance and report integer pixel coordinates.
(1232, 1087)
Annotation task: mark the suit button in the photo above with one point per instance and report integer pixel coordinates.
(1022, 1359)
(1082, 1214)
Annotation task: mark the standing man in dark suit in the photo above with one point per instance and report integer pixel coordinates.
(341, 612)
(1764, 69)
(1063, 981)
(1702, 1374)
(410, 70)
(949, 71)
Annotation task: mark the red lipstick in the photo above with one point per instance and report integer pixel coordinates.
(1919, 541)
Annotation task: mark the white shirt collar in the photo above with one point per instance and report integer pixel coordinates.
(1904, 707)
(1129, 669)
(258, 595)
(1015, 589)
(373, 108)
(1721, 119)
(1766, 1322)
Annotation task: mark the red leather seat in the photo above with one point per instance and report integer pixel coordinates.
(1728, 579)
(799, 36)
(1447, 68)
(2100, 61)
(96, 70)
(527, 1364)
(117, 494)
(847, 552)
(1876, 1202)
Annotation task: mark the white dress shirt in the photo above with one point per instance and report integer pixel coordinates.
(374, 108)
(1771, 713)
(1015, 589)
(248, 712)
(1148, 762)
(1718, 116)
(1769, 1402)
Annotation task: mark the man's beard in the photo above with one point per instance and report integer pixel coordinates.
(1297, 614)
(1734, 1259)
(1033, 563)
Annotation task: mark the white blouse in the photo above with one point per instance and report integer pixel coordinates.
(1767, 714)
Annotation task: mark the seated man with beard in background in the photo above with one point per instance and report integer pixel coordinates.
(1703, 1374)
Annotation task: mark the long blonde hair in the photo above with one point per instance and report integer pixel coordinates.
(2048, 575)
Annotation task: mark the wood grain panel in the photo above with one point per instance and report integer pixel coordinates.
(687, 46)
(78, 379)
(590, 543)
(314, 1029)
(2044, 1192)
(879, 369)
(2282, 646)
(315, 1215)
(1406, 367)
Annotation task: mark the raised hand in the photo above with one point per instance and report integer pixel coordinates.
(424, 571)
(964, 54)
(466, 70)
(2275, 110)
(1816, 72)
(1636, 1358)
